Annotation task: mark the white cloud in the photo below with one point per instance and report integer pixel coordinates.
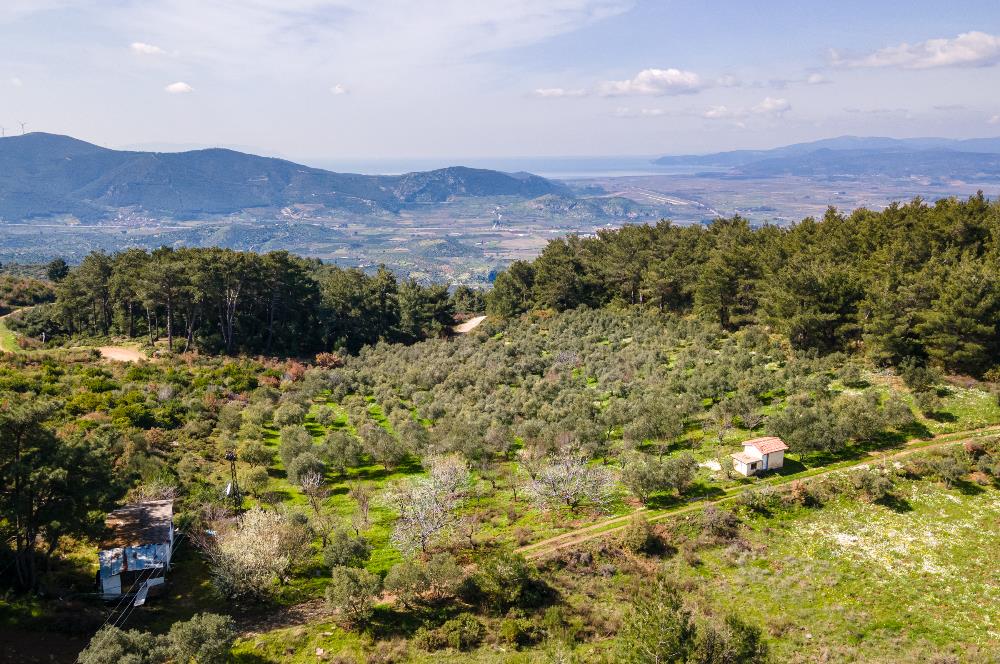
(559, 92)
(625, 112)
(339, 89)
(654, 82)
(772, 106)
(728, 81)
(16, 82)
(816, 79)
(969, 49)
(179, 88)
(719, 113)
(143, 48)
(995, 119)
(769, 107)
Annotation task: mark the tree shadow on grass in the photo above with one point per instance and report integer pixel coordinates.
(942, 416)
(895, 503)
(967, 488)
(697, 491)
(251, 658)
(790, 467)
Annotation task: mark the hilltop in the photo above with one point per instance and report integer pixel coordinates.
(49, 174)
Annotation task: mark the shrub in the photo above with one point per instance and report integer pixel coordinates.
(206, 638)
(638, 535)
(872, 484)
(517, 630)
(917, 375)
(505, 580)
(255, 453)
(733, 641)
(927, 401)
(407, 581)
(353, 592)
(295, 440)
(303, 465)
(462, 632)
(111, 645)
(288, 414)
(345, 550)
(719, 524)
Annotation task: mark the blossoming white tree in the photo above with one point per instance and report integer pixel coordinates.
(426, 505)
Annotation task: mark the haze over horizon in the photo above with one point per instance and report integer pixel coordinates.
(319, 81)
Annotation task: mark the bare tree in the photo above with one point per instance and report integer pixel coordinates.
(314, 487)
(362, 494)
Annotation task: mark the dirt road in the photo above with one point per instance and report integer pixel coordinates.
(469, 325)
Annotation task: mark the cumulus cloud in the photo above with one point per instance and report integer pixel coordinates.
(969, 49)
(816, 79)
(16, 82)
(769, 107)
(339, 89)
(143, 48)
(179, 88)
(772, 106)
(654, 82)
(559, 92)
(995, 119)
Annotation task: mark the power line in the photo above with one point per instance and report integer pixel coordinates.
(148, 572)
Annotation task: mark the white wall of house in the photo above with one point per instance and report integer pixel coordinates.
(775, 460)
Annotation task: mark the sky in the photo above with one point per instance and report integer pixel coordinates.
(332, 79)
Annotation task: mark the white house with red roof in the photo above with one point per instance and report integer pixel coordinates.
(760, 455)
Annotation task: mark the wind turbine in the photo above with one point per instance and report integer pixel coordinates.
(23, 125)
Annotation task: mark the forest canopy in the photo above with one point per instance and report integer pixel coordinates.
(220, 300)
(912, 281)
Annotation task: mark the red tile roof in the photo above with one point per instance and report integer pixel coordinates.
(767, 444)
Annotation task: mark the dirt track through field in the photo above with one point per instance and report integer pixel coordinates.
(616, 524)
(469, 325)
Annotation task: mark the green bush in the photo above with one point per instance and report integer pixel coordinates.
(462, 632)
(517, 630)
(638, 536)
(345, 550)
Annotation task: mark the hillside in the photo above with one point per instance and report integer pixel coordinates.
(47, 174)
(856, 156)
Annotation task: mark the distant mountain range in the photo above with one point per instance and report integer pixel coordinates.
(856, 156)
(47, 174)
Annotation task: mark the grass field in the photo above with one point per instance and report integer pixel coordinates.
(8, 340)
(868, 582)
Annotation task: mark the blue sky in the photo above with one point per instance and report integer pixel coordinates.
(329, 79)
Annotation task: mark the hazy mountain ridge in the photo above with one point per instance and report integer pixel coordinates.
(47, 174)
(857, 156)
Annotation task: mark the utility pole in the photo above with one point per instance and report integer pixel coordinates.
(233, 490)
(23, 125)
